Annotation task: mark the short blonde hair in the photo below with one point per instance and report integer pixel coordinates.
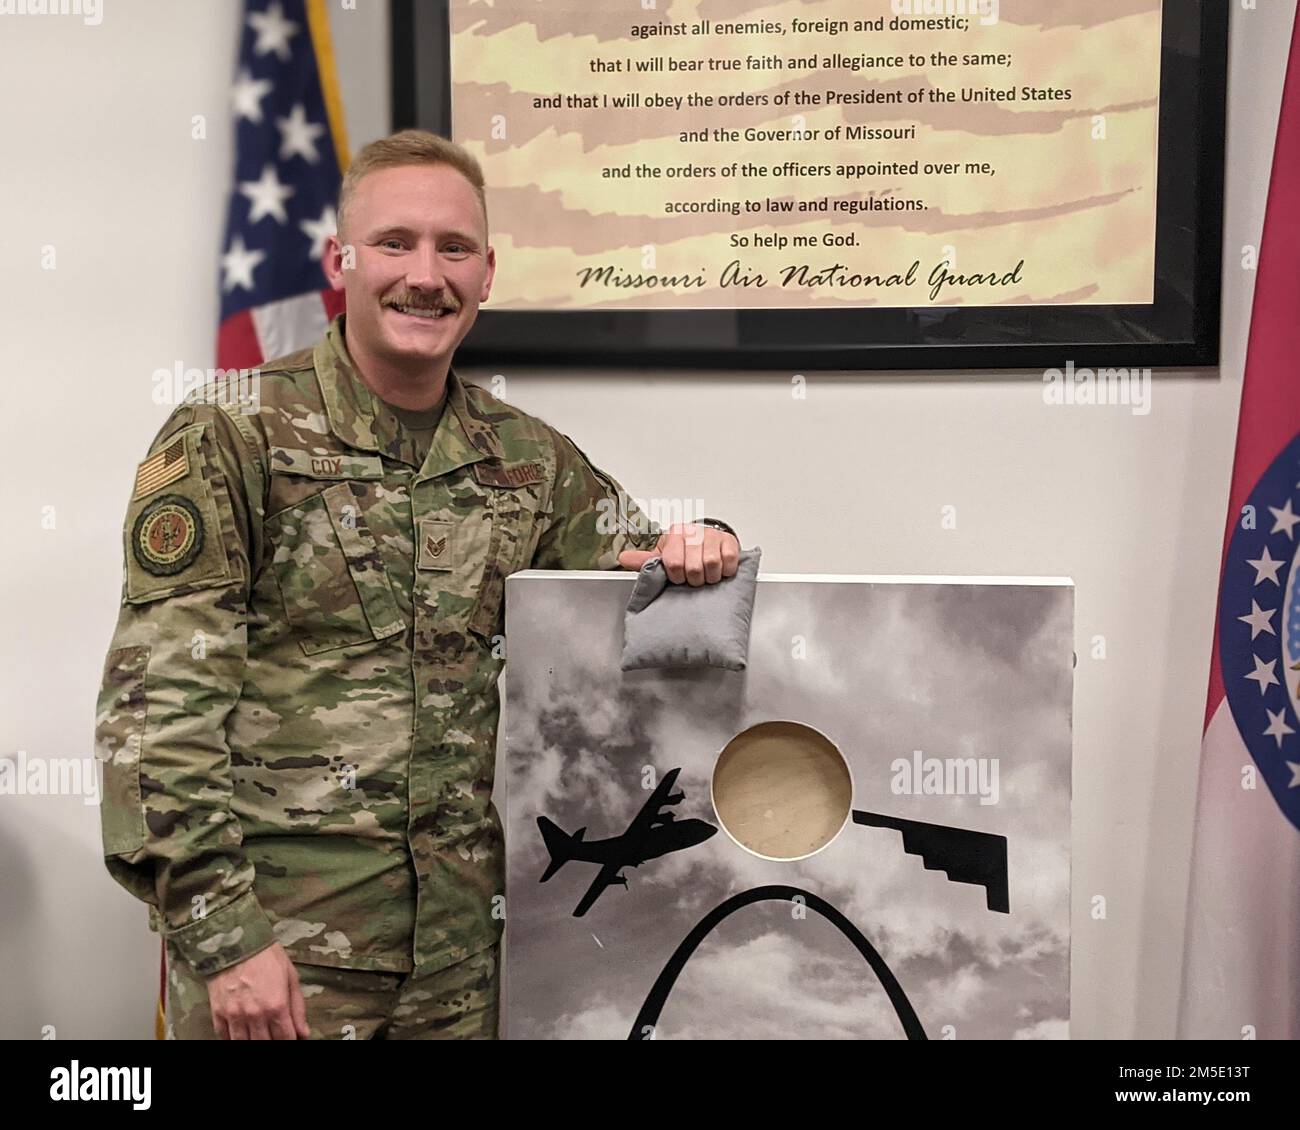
(410, 147)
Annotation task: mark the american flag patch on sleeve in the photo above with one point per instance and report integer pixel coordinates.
(168, 465)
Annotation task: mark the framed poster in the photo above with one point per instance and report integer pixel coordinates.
(836, 184)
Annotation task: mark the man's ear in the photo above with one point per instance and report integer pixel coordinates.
(491, 272)
(337, 256)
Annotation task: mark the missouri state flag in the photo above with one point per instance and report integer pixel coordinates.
(290, 154)
(1241, 972)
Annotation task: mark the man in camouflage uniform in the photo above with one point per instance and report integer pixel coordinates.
(299, 707)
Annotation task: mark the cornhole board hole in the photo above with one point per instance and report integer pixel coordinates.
(863, 835)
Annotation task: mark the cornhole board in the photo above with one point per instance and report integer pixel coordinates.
(938, 908)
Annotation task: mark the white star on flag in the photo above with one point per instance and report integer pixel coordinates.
(268, 196)
(298, 135)
(1277, 726)
(1266, 567)
(318, 231)
(1286, 520)
(1258, 619)
(238, 264)
(1294, 766)
(273, 31)
(1263, 673)
(247, 95)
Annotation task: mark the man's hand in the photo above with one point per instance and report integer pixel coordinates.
(259, 999)
(698, 555)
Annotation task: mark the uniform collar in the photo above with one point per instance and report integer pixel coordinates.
(355, 417)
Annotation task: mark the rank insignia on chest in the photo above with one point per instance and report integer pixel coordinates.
(167, 536)
(435, 544)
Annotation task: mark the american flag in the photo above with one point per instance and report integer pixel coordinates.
(290, 151)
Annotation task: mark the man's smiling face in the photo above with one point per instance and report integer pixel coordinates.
(422, 263)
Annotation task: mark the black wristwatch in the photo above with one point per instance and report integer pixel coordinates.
(718, 524)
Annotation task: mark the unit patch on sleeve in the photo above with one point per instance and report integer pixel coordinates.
(168, 535)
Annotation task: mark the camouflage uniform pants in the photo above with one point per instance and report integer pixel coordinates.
(459, 1002)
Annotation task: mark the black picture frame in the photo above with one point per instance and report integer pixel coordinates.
(1179, 329)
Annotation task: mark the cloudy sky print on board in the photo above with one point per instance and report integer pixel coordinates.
(883, 668)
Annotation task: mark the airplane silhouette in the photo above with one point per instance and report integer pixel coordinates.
(964, 855)
(651, 834)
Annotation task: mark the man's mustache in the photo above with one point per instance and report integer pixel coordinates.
(423, 302)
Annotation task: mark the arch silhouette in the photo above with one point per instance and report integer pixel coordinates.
(663, 986)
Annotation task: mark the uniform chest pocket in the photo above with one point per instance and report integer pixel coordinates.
(516, 511)
(326, 561)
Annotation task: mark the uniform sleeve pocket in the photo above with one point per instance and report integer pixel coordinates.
(119, 733)
(335, 588)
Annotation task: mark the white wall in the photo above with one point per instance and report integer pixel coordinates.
(95, 127)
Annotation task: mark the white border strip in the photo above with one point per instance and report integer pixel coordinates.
(820, 578)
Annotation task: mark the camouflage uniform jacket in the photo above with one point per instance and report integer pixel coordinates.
(298, 712)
